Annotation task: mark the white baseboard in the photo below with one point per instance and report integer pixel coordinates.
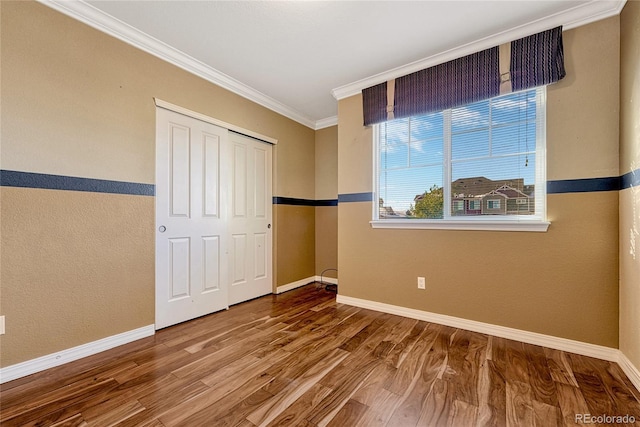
(564, 344)
(29, 367)
(296, 284)
(632, 371)
(304, 282)
(330, 280)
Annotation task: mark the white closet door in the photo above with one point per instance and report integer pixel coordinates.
(192, 224)
(250, 247)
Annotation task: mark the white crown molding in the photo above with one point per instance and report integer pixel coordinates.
(564, 344)
(325, 123)
(571, 18)
(69, 355)
(101, 21)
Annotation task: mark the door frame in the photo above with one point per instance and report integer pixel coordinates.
(237, 129)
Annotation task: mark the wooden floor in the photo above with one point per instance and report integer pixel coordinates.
(300, 359)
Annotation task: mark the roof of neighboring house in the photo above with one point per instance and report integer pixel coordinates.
(510, 192)
(480, 185)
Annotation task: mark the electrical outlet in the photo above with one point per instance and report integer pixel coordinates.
(1, 325)
(421, 283)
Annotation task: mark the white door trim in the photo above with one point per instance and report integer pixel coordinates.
(194, 114)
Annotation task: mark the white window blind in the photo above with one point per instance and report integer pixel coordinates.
(477, 162)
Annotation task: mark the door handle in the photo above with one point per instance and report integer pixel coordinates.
(269, 226)
(162, 229)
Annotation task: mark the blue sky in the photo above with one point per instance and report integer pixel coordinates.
(487, 139)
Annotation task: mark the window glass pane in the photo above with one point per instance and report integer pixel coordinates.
(513, 108)
(427, 127)
(399, 189)
(514, 138)
(470, 145)
(396, 131)
(477, 183)
(470, 117)
(426, 152)
(394, 156)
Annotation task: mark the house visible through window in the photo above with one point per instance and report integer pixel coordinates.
(481, 161)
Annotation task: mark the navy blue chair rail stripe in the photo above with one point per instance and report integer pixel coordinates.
(355, 197)
(10, 178)
(277, 200)
(630, 179)
(587, 185)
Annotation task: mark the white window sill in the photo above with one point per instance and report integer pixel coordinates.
(451, 224)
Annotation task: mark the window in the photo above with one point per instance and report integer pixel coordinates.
(493, 204)
(456, 168)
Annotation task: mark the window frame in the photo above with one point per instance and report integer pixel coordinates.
(536, 223)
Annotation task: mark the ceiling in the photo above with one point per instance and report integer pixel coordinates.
(298, 57)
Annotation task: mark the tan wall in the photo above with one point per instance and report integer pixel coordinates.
(296, 245)
(563, 282)
(582, 109)
(90, 274)
(630, 197)
(77, 102)
(326, 158)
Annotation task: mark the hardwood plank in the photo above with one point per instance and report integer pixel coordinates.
(596, 396)
(298, 410)
(397, 356)
(491, 396)
(571, 402)
(438, 405)
(560, 367)
(518, 402)
(349, 414)
(301, 359)
(413, 361)
(464, 365)
(372, 392)
(546, 415)
(462, 414)
(618, 376)
(218, 358)
(115, 415)
(273, 407)
(160, 397)
(409, 410)
(351, 381)
(210, 405)
(542, 384)
(42, 405)
(74, 421)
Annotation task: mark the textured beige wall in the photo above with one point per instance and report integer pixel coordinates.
(563, 282)
(630, 198)
(77, 102)
(583, 109)
(326, 240)
(76, 267)
(326, 158)
(296, 246)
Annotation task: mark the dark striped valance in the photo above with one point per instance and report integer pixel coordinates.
(533, 61)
